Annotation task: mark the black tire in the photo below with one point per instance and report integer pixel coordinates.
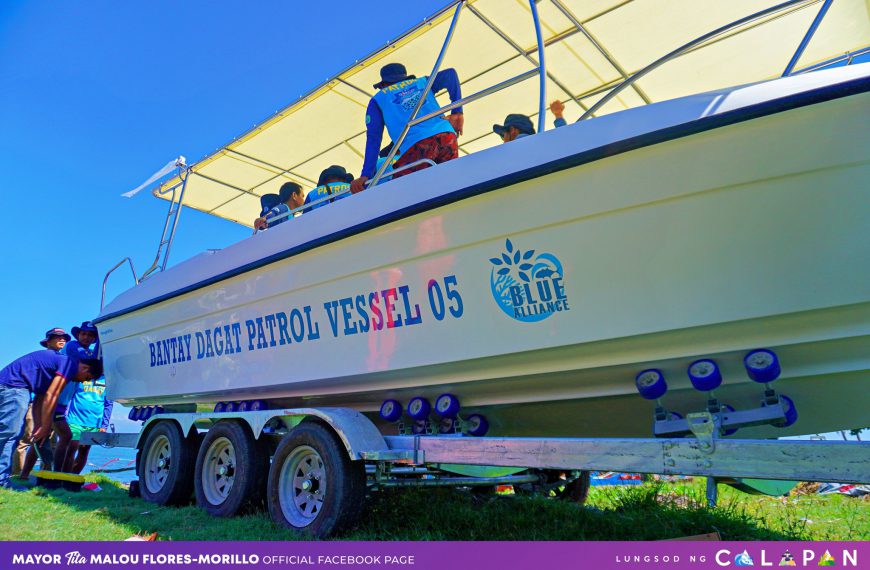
(165, 465)
(230, 446)
(576, 491)
(337, 484)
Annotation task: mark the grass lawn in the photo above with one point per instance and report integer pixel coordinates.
(648, 512)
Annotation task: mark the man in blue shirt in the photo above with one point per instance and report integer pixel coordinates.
(291, 197)
(24, 459)
(85, 335)
(392, 106)
(44, 373)
(333, 180)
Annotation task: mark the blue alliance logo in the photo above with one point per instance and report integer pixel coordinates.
(528, 286)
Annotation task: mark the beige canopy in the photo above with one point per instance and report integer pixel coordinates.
(591, 45)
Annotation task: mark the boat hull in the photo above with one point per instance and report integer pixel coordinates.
(739, 237)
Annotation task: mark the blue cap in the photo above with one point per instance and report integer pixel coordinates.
(521, 122)
(87, 326)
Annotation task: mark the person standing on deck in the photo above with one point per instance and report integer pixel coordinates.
(24, 458)
(43, 373)
(392, 106)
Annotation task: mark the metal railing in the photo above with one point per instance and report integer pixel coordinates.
(331, 197)
(162, 257)
(106, 278)
(705, 38)
(413, 120)
(168, 235)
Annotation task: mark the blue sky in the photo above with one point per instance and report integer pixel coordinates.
(96, 96)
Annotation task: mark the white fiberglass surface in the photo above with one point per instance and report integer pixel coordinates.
(474, 169)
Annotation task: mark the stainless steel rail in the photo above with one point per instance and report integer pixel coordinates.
(325, 199)
(168, 235)
(686, 47)
(106, 278)
(398, 143)
(807, 37)
(541, 71)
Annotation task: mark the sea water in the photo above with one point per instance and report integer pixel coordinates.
(112, 458)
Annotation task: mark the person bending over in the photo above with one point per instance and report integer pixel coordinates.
(25, 455)
(43, 373)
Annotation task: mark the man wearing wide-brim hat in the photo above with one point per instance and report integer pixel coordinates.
(44, 374)
(334, 180)
(392, 106)
(54, 340)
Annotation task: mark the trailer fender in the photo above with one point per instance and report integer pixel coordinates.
(355, 431)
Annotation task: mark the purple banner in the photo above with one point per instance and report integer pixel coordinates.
(431, 555)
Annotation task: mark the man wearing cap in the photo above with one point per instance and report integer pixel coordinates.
(392, 106)
(333, 180)
(43, 373)
(54, 340)
(80, 348)
(290, 197)
(515, 127)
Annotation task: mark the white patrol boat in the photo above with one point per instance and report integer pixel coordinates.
(701, 231)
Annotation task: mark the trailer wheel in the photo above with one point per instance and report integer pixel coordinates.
(314, 487)
(576, 491)
(230, 470)
(165, 465)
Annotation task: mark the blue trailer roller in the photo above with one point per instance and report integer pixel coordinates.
(419, 408)
(477, 425)
(447, 406)
(257, 405)
(791, 414)
(762, 366)
(391, 410)
(651, 384)
(705, 375)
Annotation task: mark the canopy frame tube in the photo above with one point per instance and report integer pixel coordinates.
(686, 47)
(437, 67)
(541, 71)
(172, 214)
(331, 197)
(807, 37)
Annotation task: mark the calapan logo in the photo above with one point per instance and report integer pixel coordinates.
(528, 286)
